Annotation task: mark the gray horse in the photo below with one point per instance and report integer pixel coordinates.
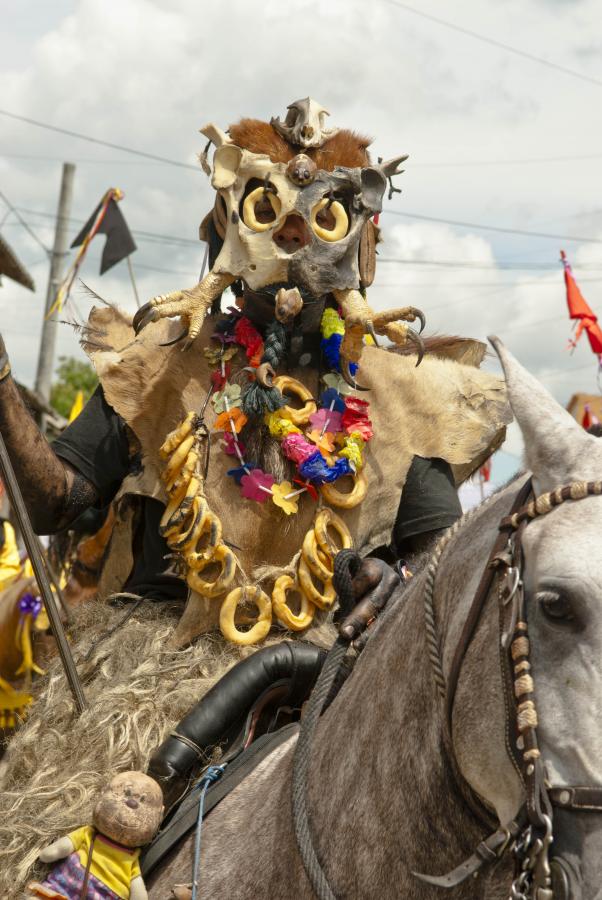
(384, 797)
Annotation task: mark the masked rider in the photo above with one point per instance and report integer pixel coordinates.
(255, 446)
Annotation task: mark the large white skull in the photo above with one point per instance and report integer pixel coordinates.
(262, 204)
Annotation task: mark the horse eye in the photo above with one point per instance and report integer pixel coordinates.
(557, 607)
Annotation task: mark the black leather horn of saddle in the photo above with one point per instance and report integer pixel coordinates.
(287, 671)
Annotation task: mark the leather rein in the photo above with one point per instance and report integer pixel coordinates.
(530, 834)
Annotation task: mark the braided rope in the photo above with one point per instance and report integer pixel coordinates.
(301, 765)
(346, 565)
(430, 619)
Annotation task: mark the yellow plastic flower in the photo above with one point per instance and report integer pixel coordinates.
(331, 323)
(279, 425)
(353, 449)
(279, 496)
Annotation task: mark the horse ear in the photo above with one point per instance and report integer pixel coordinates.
(557, 449)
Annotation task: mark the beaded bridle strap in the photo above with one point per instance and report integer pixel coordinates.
(545, 503)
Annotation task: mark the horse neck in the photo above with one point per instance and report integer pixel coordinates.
(382, 779)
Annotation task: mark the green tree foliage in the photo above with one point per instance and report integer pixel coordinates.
(72, 375)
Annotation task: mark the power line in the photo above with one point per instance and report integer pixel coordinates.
(477, 264)
(80, 160)
(481, 284)
(500, 265)
(493, 42)
(499, 162)
(412, 164)
(93, 140)
(167, 271)
(557, 373)
(497, 228)
(22, 221)
(192, 242)
(150, 235)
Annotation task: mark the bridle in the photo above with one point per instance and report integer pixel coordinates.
(530, 834)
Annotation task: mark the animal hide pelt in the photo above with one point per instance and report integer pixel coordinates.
(441, 409)
(346, 148)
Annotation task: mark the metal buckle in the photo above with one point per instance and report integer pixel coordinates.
(512, 582)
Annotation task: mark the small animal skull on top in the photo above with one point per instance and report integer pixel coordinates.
(304, 124)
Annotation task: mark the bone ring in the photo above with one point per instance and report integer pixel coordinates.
(228, 610)
(297, 416)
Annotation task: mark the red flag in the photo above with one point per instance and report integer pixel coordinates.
(485, 471)
(589, 418)
(579, 309)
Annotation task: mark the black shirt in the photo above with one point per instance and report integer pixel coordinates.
(96, 444)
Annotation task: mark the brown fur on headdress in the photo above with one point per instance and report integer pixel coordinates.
(346, 148)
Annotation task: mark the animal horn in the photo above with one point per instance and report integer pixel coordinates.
(391, 166)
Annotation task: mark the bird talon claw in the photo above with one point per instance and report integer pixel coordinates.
(414, 338)
(144, 316)
(175, 340)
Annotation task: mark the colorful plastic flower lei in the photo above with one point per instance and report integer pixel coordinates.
(332, 446)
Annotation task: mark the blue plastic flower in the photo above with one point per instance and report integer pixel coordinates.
(331, 395)
(238, 473)
(315, 468)
(331, 348)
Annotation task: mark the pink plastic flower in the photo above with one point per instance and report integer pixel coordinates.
(257, 485)
(230, 445)
(217, 379)
(326, 417)
(297, 448)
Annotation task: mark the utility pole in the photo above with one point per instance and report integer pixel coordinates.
(57, 263)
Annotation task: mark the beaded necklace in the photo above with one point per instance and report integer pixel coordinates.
(325, 443)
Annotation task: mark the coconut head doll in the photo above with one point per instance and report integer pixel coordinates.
(100, 861)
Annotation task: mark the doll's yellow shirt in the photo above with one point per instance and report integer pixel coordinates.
(112, 864)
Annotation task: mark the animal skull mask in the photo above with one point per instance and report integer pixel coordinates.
(291, 222)
(287, 214)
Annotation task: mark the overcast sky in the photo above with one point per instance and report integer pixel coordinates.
(494, 139)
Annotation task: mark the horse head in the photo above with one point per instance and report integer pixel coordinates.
(562, 602)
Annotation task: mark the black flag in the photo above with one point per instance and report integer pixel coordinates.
(119, 243)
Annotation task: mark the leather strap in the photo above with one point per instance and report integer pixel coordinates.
(488, 851)
(587, 799)
(184, 820)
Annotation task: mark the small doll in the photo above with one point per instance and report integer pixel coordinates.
(103, 856)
